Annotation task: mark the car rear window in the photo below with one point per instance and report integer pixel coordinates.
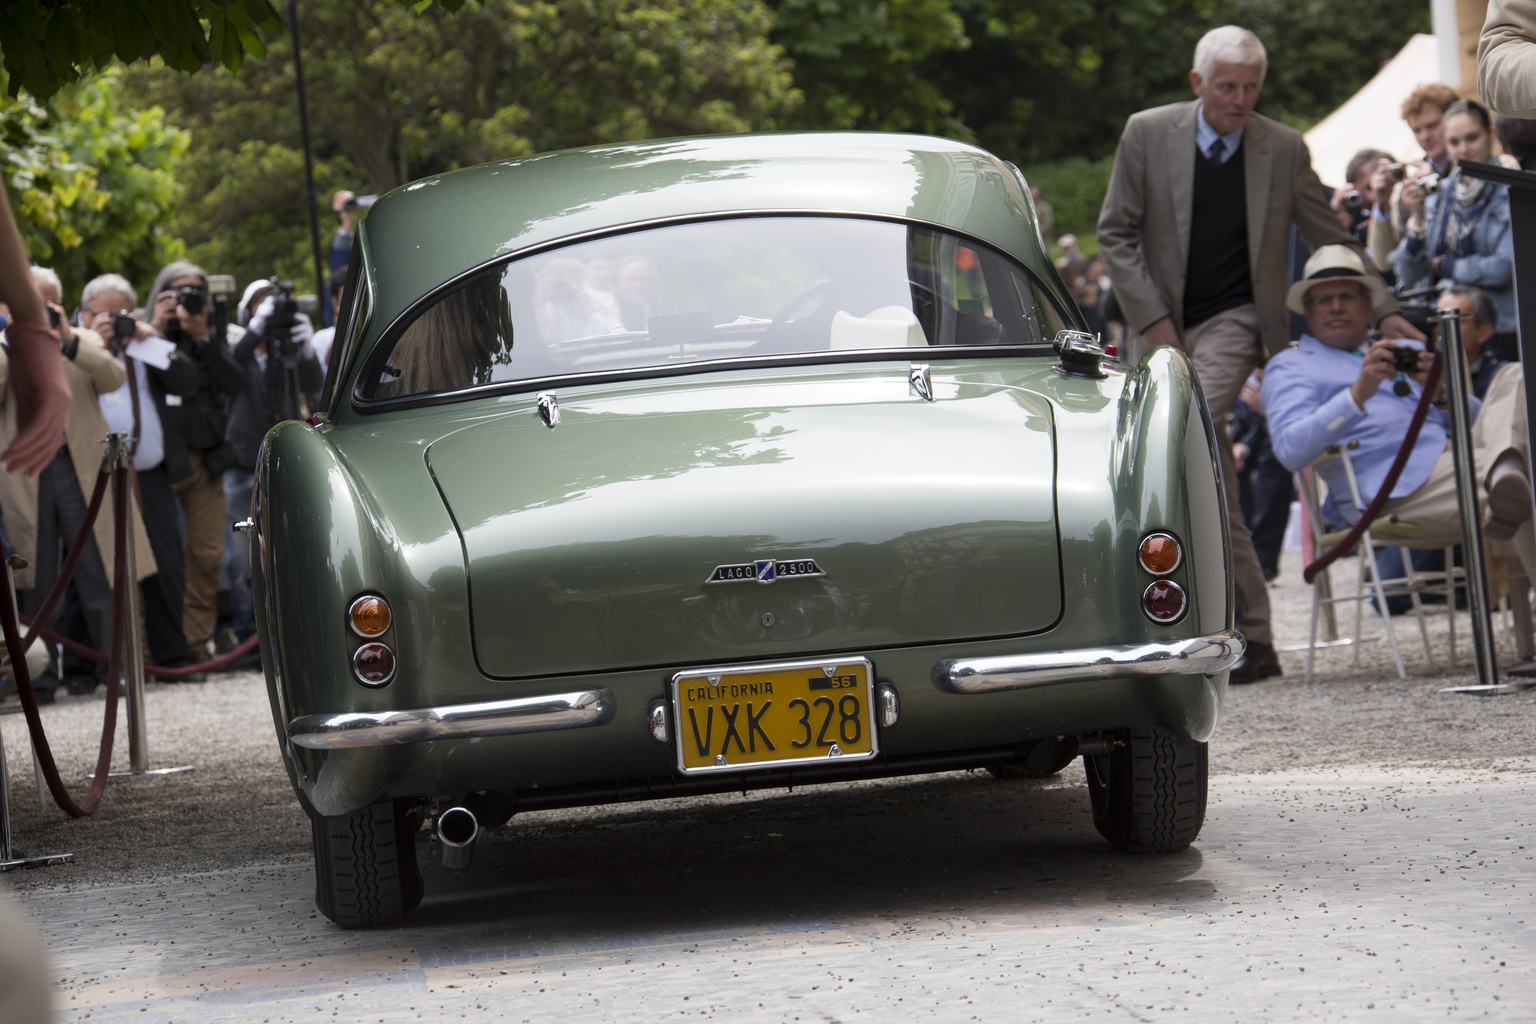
(709, 291)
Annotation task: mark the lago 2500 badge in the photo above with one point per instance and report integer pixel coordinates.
(765, 570)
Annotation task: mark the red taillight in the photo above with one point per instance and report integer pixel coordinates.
(373, 664)
(1163, 601)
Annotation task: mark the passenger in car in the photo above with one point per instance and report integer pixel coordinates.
(453, 344)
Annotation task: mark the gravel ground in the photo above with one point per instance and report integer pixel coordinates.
(236, 809)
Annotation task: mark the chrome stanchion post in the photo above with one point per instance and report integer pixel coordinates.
(1454, 358)
(133, 642)
(133, 660)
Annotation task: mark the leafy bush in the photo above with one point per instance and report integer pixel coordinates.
(1075, 189)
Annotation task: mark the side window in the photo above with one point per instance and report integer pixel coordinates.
(351, 324)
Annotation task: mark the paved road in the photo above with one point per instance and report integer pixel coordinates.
(1368, 854)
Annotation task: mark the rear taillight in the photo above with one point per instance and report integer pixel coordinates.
(373, 664)
(1163, 601)
(1160, 553)
(369, 616)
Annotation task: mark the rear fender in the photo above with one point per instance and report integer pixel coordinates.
(319, 540)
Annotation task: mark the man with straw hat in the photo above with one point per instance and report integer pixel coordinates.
(1336, 386)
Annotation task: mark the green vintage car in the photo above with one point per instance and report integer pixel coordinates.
(702, 465)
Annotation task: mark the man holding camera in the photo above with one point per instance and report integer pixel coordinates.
(277, 366)
(183, 314)
(1423, 110)
(44, 513)
(1194, 233)
(155, 373)
(1336, 386)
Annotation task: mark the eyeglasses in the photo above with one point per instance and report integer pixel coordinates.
(1331, 297)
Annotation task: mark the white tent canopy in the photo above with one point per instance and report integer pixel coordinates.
(1372, 118)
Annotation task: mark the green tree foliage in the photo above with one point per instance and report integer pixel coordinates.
(92, 181)
(1061, 76)
(49, 44)
(1324, 51)
(858, 62)
(395, 94)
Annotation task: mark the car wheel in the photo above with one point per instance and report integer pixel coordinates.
(1149, 791)
(365, 864)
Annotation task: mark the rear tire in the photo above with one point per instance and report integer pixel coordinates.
(1149, 791)
(365, 864)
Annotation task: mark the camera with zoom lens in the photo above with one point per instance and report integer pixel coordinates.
(1353, 201)
(1430, 183)
(192, 298)
(359, 203)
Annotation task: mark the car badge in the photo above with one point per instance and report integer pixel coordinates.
(765, 570)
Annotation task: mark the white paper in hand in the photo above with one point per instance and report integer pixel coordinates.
(155, 352)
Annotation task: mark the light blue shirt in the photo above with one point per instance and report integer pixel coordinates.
(1307, 401)
(1205, 135)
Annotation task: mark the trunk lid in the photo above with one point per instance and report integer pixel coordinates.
(589, 546)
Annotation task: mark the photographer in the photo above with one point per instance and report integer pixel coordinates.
(1354, 202)
(1336, 386)
(155, 374)
(184, 315)
(1424, 112)
(44, 512)
(1458, 228)
(277, 364)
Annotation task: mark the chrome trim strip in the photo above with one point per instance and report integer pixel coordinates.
(1201, 655)
(456, 721)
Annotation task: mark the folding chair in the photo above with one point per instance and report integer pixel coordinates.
(1392, 531)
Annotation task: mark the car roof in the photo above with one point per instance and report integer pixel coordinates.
(434, 230)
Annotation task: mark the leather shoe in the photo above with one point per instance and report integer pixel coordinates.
(1259, 661)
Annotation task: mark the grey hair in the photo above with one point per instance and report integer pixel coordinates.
(1483, 309)
(108, 283)
(1229, 44)
(42, 275)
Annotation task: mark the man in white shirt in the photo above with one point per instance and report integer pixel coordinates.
(136, 409)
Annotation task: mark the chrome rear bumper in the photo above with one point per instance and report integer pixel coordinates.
(457, 721)
(1203, 655)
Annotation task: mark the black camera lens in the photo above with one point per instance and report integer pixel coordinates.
(191, 298)
(1353, 201)
(123, 326)
(1406, 359)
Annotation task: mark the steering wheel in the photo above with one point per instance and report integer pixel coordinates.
(814, 291)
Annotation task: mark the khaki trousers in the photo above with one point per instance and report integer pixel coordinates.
(202, 503)
(1498, 429)
(1225, 350)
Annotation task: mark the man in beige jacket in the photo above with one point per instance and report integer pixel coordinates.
(1506, 58)
(43, 513)
(1193, 233)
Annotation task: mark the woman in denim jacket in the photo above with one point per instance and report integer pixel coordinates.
(1460, 233)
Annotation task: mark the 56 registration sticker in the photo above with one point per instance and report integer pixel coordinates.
(772, 716)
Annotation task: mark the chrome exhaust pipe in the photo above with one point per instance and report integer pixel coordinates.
(457, 830)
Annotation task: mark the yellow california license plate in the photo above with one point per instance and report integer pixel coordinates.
(800, 712)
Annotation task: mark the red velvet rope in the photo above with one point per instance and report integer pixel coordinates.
(1327, 558)
(86, 651)
(11, 629)
(71, 560)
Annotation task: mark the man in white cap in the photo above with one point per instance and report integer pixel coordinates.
(1337, 386)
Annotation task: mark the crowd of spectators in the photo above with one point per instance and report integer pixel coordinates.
(194, 383)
